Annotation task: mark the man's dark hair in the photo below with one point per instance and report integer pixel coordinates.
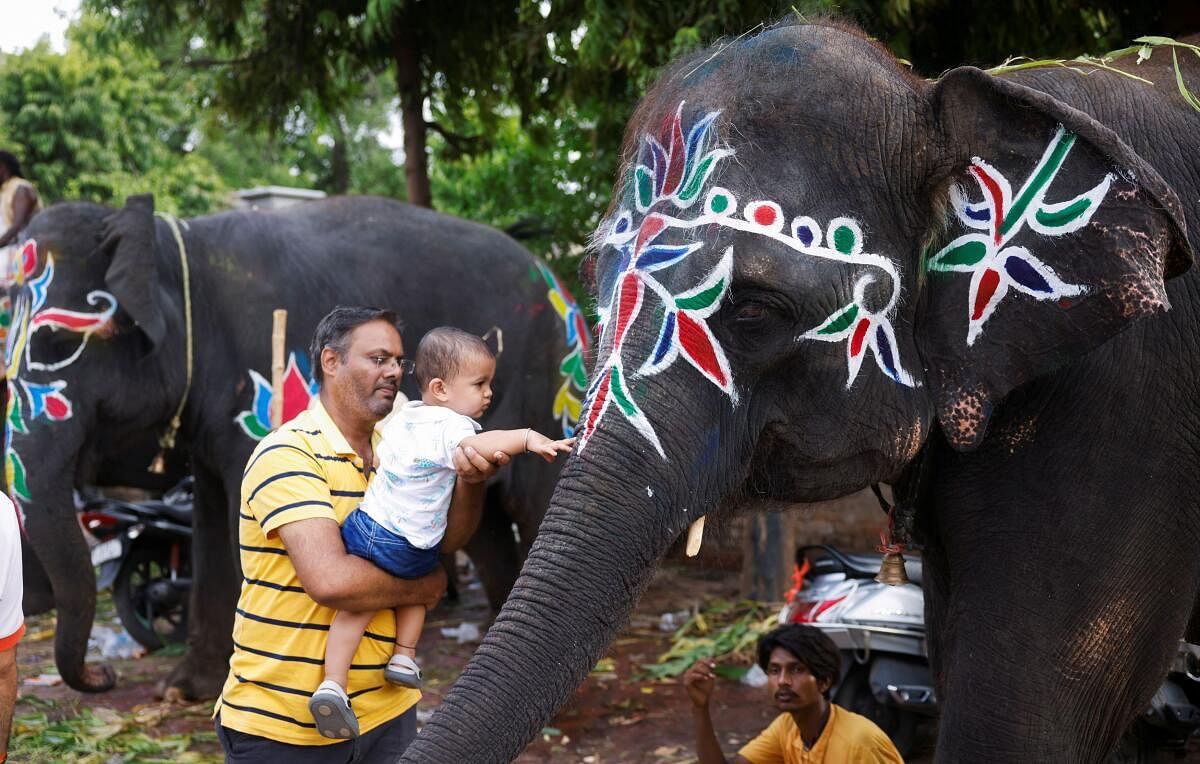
(444, 350)
(335, 328)
(810, 645)
(9, 160)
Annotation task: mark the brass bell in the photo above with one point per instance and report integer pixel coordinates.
(891, 570)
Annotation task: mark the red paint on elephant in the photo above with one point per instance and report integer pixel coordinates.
(651, 227)
(987, 287)
(860, 333)
(597, 405)
(296, 394)
(764, 215)
(57, 407)
(698, 347)
(628, 303)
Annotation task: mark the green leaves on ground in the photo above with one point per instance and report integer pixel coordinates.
(724, 631)
(97, 735)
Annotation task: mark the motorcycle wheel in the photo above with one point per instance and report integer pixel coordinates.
(855, 695)
(150, 625)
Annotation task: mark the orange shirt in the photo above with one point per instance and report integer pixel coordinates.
(847, 737)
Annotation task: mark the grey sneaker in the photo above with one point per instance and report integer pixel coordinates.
(330, 708)
(403, 671)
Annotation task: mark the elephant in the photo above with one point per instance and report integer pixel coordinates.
(820, 272)
(127, 322)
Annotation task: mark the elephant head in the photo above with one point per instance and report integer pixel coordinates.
(87, 305)
(813, 258)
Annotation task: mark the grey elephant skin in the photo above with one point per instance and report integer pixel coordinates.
(822, 271)
(99, 360)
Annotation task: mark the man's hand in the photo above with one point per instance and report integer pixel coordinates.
(699, 681)
(473, 467)
(337, 579)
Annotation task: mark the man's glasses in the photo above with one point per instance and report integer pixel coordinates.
(406, 366)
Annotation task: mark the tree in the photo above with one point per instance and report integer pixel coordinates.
(96, 124)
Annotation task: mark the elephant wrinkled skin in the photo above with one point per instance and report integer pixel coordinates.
(820, 272)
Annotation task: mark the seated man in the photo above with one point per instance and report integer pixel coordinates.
(802, 665)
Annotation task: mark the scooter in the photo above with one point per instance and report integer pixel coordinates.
(144, 552)
(880, 630)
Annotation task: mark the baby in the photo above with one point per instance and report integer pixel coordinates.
(402, 518)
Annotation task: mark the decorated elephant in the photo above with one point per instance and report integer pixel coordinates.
(124, 322)
(821, 272)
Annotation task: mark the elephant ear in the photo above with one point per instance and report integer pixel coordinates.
(132, 274)
(1060, 237)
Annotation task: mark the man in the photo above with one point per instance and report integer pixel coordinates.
(300, 483)
(18, 199)
(12, 621)
(802, 665)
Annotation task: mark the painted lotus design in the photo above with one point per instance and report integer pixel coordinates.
(298, 390)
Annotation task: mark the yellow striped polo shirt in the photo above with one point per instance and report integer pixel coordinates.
(304, 469)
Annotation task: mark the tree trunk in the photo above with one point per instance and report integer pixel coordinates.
(407, 58)
(339, 180)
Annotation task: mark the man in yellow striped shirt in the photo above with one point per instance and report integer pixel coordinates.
(300, 484)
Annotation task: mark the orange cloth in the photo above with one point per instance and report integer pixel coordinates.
(847, 737)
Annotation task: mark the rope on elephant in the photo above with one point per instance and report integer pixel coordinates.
(166, 441)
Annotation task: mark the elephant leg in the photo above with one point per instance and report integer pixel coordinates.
(1047, 653)
(213, 597)
(494, 550)
(38, 595)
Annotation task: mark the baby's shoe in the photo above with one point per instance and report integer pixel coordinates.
(403, 671)
(330, 708)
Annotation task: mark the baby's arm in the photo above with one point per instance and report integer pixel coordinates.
(513, 442)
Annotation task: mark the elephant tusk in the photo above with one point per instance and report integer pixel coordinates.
(695, 537)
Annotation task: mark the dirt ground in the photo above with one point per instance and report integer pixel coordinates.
(613, 717)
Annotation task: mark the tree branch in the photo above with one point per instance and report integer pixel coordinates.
(463, 144)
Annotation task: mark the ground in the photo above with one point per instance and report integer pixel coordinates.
(613, 717)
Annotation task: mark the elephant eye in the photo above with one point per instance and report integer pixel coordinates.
(750, 311)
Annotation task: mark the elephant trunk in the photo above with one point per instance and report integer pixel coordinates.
(593, 555)
(48, 506)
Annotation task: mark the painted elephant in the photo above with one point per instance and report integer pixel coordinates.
(123, 320)
(821, 272)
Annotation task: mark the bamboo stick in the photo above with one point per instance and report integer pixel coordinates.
(278, 338)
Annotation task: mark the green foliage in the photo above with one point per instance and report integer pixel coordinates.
(99, 122)
(97, 735)
(724, 631)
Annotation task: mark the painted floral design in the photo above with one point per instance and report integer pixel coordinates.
(29, 401)
(673, 172)
(566, 407)
(995, 264)
(298, 390)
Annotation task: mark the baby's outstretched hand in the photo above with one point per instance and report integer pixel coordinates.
(547, 449)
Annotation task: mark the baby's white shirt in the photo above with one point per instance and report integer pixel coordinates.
(410, 493)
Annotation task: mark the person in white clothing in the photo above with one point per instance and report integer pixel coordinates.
(402, 518)
(12, 620)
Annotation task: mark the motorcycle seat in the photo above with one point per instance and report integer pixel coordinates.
(180, 514)
(865, 565)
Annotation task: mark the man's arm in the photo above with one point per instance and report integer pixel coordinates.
(466, 506)
(336, 579)
(22, 209)
(699, 681)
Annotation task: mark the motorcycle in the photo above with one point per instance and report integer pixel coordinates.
(144, 552)
(880, 631)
